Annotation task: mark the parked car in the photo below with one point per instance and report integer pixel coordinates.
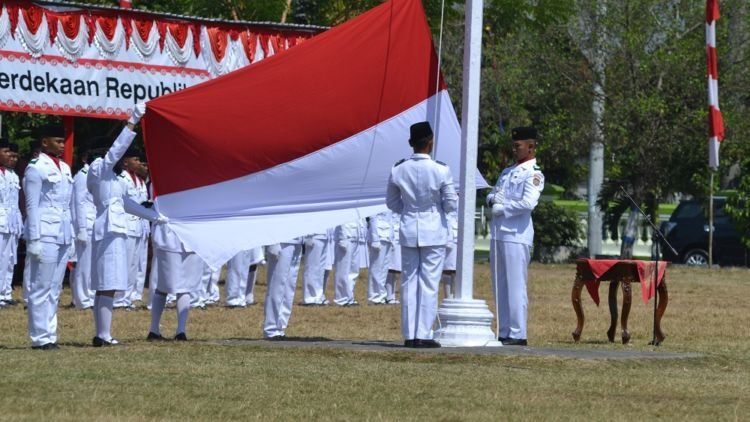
(687, 231)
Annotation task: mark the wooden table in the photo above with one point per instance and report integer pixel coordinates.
(590, 272)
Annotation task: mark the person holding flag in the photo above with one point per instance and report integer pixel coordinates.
(513, 199)
(109, 272)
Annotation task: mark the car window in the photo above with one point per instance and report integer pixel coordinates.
(688, 210)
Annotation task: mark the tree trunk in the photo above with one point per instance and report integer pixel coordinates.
(598, 59)
(287, 9)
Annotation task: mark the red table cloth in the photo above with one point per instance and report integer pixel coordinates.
(591, 271)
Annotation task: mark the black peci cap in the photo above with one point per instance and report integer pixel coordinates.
(51, 130)
(420, 131)
(523, 133)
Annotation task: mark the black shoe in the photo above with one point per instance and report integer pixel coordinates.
(409, 343)
(352, 303)
(152, 336)
(46, 346)
(502, 339)
(276, 338)
(426, 344)
(514, 342)
(180, 337)
(100, 342)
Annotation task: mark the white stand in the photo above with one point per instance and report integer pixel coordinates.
(465, 321)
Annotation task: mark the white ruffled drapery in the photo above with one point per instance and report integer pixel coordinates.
(4, 26)
(109, 48)
(72, 48)
(144, 49)
(178, 55)
(33, 43)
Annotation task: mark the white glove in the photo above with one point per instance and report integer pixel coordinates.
(138, 111)
(343, 244)
(491, 196)
(162, 219)
(375, 246)
(34, 248)
(309, 242)
(497, 210)
(274, 249)
(83, 236)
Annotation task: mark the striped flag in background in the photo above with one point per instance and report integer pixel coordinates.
(715, 121)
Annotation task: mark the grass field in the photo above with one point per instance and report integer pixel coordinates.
(202, 380)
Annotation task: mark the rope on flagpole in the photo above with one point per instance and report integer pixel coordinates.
(436, 114)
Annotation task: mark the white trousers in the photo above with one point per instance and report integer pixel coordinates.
(26, 278)
(282, 280)
(140, 278)
(509, 264)
(80, 277)
(347, 271)
(8, 249)
(208, 290)
(124, 298)
(240, 282)
(420, 276)
(45, 284)
(313, 282)
(378, 272)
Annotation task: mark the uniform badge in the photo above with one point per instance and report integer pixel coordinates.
(537, 180)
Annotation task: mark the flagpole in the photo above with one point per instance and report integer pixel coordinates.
(465, 321)
(711, 219)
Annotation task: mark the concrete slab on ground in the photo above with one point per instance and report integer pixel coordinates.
(387, 346)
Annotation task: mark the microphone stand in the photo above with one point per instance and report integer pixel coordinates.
(657, 234)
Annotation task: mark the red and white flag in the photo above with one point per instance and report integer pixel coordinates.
(715, 121)
(301, 141)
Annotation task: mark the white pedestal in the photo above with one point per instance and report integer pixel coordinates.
(465, 323)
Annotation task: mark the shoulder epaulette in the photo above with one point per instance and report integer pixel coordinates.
(441, 163)
(84, 171)
(121, 175)
(536, 167)
(33, 161)
(399, 162)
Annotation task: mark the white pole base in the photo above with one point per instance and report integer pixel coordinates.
(465, 323)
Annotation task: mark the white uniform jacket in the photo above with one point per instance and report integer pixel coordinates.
(422, 191)
(84, 211)
(353, 231)
(513, 198)
(49, 190)
(381, 228)
(109, 193)
(10, 213)
(136, 190)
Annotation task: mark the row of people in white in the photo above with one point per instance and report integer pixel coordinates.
(117, 225)
(11, 224)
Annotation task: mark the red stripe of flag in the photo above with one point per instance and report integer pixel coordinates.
(712, 11)
(294, 103)
(712, 62)
(715, 123)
